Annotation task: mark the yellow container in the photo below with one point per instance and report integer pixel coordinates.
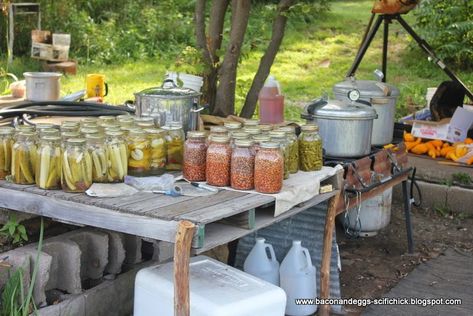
(96, 86)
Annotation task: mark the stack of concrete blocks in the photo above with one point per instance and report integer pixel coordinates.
(67, 260)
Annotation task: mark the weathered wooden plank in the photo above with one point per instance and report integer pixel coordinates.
(216, 212)
(244, 220)
(88, 215)
(177, 209)
(147, 207)
(13, 186)
(218, 234)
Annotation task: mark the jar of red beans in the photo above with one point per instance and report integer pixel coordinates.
(243, 165)
(218, 160)
(269, 168)
(195, 150)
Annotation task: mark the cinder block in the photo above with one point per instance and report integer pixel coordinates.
(73, 305)
(116, 252)
(12, 261)
(163, 251)
(132, 246)
(94, 251)
(42, 276)
(65, 266)
(20, 216)
(460, 200)
(433, 195)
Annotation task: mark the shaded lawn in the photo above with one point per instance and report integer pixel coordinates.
(334, 38)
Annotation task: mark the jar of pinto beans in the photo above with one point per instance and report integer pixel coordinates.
(219, 155)
(243, 165)
(195, 151)
(269, 168)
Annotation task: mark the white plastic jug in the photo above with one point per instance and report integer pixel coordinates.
(260, 265)
(297, 276)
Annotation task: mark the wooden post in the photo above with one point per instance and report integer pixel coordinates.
(182, 247)
(327, 246)
(11, 34)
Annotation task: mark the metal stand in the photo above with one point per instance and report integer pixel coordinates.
(370, 34)
(19, 9)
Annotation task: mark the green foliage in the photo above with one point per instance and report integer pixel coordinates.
(14, 230)
(462, 178)
(447, 25)
(15, 302)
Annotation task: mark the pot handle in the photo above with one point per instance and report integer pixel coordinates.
(170, 81)
(130, 104)
(311, 106)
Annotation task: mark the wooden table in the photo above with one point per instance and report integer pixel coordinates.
(194, 224)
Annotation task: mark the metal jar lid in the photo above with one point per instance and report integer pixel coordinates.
(340, 110)
(367, 88)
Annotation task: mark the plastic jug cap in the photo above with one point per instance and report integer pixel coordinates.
(260, 240)
(296, 242)
(272, 82)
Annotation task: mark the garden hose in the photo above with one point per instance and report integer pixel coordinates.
(416, 185)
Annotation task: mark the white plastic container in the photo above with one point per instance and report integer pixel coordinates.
(297, 277)
(216, 289)
(260, 265)
(188, 81)
(375, 214)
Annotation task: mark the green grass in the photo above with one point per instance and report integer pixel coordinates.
(335, 36)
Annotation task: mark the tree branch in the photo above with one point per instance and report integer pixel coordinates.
(217, 20)
(201, 38)
(225, 102)
(277, 35)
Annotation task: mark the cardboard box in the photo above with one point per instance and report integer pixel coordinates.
(60, 39)
(41, 47)
(451, 130)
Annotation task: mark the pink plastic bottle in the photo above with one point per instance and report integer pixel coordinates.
(271, 103)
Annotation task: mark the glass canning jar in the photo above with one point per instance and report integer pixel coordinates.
(48, 132)
(24, 158)
(88, 120)
(232, 127)
(76, 166)
(139, 149)
(242, 165)
(219, 155)
(250, 122)
(218, 131)
(49, 163)
(158, 151)
(265, 128)
(195, 151)
(66, 135)
(24, 128)
(106, 119)
(252, 130)
(42, 126)
(144, 119)
(269, 168)
(117, 156)
(6, 138)
(257, 140)
(238, 135)
(126, 120)
(281, 138)
(69, 128)
(96, 148)
(293, 147)
(310, 148)
(175, 147)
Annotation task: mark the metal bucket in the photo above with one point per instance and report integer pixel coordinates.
(42, 86)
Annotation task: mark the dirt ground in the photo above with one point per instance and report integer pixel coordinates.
(372, 266)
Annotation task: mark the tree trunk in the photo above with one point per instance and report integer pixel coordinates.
(225, 99)
(279, 26)
(216, 23)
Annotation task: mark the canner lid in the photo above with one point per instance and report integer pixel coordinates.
(340, 110)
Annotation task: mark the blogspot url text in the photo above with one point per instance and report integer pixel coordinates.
(380, 301)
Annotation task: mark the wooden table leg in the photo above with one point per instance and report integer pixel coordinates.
(327, 251)
(182, 247)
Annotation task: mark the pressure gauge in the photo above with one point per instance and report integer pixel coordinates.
(354, 95)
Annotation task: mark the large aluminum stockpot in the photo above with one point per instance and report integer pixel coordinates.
(383, 98)
(42, 86)
(345, 127)
(169, 101)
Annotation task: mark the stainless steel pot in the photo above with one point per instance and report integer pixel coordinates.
(383, 98)
(42, 86)
(169, 101)
(345, 127)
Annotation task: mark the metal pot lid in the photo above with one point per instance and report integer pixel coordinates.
(169, 90)
(367, 88)
(340, 110)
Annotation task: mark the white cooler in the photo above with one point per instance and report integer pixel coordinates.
(216, 289)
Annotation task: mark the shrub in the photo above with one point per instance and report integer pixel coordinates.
(447, 25)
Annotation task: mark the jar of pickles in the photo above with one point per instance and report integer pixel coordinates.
(293, 147)
(6, 137)
(96, 147)
(139, 149)
(76, 166)
(158, 151)
(42, 126)
(117, 156)
(175, 147)
(24, 158)
(48, 132)
(25, 128)
(310, 148)
(218, 159)
(67, 135)
(49, 163)
(269, 168)
(69, 128)
(242, 165)
(280, 138)
(195, 151)
(106, 119)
